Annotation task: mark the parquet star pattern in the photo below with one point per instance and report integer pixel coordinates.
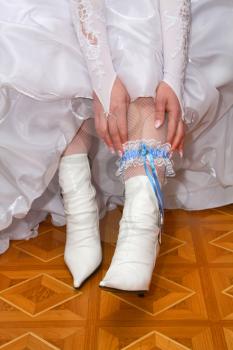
(189, 305)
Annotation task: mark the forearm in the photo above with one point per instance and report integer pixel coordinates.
(176, 22)
(90, 24)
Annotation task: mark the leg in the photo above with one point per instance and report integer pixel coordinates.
(138, 242)
(83, 246)
(141, 117)
(81, 143)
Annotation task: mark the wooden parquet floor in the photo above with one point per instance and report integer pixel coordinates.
(189, 306)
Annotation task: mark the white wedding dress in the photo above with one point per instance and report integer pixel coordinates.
(46, 90)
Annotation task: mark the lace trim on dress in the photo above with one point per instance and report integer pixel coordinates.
(183, 38)
(181, 21)
(91, 39)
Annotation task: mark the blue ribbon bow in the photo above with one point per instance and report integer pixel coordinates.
(148, 153)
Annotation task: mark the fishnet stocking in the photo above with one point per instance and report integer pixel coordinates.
(141, 126)
(82, 141)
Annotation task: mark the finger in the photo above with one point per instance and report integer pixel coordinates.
(122, 123)
(101, 126)
(181, 145)
(179, 136)
(97, 124)
(181, 149)
(160, 107)
(173, 120)
(108, 142)
(114, 133)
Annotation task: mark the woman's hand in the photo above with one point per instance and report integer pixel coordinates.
(113, 130)
(167, 101)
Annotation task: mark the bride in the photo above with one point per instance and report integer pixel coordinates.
(136, 130)
(135, 51)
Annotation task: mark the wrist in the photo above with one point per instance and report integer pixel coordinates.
(176, 84)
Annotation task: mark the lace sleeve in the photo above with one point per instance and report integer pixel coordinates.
(90, 25)
(176, 22)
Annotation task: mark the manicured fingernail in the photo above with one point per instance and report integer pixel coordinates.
(120, 153)
(158, 124)
(112, 150)
(181, 154)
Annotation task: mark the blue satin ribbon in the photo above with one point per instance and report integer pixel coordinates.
(153, 176)
(148, 154)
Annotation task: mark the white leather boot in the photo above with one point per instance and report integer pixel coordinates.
(83, 252)
(138, 241)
